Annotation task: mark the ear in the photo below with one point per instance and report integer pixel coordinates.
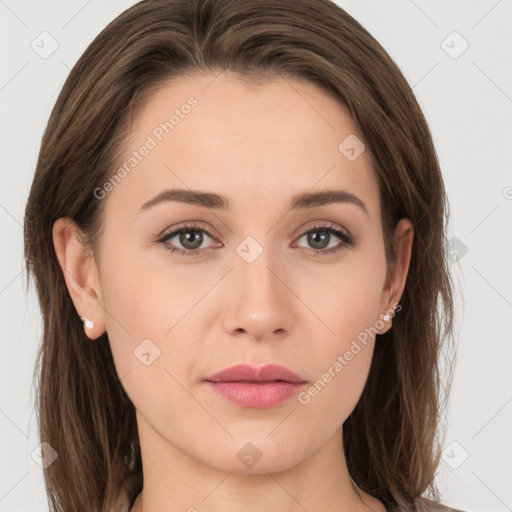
(80, 273)
(395, 281)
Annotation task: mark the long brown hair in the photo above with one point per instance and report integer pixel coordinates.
(391, 438)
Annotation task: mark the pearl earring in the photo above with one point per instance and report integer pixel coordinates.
(89, 324)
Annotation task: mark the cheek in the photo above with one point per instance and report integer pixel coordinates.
(146, 313)
(345, 300)
(348, 307)
(155, 311)
(340, 381)
(144, 292)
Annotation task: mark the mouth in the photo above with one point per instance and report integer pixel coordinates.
(249, 386)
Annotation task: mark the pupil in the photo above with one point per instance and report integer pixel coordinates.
(318, 241)
(195, 240)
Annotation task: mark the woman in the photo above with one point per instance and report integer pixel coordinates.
(236, 228)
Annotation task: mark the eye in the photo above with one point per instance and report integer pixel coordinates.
(321, 235)
(190, 237)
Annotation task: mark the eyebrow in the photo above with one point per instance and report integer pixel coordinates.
(216, 201)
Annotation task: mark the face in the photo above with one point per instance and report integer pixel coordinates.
(256, 278)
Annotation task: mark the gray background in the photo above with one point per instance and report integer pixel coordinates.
(467, 99)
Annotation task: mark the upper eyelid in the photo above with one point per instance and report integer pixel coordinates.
(190, 226)
(325, 225)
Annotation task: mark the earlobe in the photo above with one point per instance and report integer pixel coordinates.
(80, 275)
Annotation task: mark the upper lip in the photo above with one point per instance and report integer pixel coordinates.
(248, 373)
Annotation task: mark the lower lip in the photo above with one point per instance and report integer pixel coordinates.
(248, 394)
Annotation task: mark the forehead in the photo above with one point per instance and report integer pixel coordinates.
(269, 141)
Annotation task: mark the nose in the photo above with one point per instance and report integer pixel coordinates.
(260, 302)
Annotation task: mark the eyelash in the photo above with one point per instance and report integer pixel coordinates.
(347, 239)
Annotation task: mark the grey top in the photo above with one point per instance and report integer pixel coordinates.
(421, 505)
(424, 505)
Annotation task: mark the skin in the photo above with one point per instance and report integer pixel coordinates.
(258, 146)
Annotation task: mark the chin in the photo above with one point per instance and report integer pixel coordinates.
(254, 455)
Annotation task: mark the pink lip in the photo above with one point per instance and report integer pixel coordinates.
(250, 386)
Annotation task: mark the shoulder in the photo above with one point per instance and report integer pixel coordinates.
(424, 505)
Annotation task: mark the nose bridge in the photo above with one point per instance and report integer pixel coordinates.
(255, 272)
(260, 302)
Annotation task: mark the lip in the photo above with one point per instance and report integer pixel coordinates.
(250, 386)
(248, 373)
